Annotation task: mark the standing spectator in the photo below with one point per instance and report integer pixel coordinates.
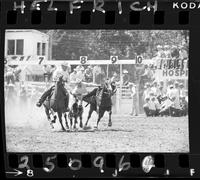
(175, 52)
(160, 52)
(63, 71)
(88, 74)
(10, 76)
(80, 73)
(96, 72)
(182, 90)
(49, 69)
(167, 51)
(147, 91)
(183, 53)
(73, 76)
(154, 88)
(126, 77)
(134, 109)
(115, 77)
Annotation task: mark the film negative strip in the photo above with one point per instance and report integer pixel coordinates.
(99, 88)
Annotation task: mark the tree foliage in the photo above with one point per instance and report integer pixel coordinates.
(101, 44)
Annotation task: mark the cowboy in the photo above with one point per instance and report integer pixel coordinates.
(56, 77)
(79, 90)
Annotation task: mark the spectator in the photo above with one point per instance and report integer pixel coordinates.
(154, 88)
(88, 74)
(147, 91)
(73, 76)
(183, 53)
(115, 77)
(62, 70)
(160, 52)
(149, 107)
(126, 77)
(80, 73)
(184, 106)
(182, 90)
(49, 69)
(174, 52)
(96, 73)
(167, 51)
(134, 109)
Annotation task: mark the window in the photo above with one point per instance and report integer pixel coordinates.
(15, 47)
(11, 47)
(38, 49)
(43, 49)
(20, 47)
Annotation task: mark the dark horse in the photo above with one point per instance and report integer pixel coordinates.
(57, 102)
(76, 112)
(100, 101)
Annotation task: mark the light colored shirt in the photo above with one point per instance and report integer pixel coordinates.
(73, 77)
(80, 76)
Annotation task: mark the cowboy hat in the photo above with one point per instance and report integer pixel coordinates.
(125, 71)
(65, 64)
(159, 46)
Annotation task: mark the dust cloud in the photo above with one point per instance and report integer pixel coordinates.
(20, 113)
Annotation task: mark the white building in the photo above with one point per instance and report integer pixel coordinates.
(27, 45)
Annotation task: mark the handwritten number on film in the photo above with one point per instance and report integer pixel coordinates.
(50, 164)
(24, 164)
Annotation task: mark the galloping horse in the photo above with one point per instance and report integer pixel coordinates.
(100, 101)
(57, 102)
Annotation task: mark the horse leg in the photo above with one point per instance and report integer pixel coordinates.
(48, 117)
(89, 115)
(110, 122)
(60, 119)
(101, 113)
(66, 123)
(81, 123)
(75, 121)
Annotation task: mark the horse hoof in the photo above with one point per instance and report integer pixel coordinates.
(109, 124)
(53, 121)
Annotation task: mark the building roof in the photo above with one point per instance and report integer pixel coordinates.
(27, 30)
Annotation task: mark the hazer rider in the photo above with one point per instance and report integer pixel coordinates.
(60, 72)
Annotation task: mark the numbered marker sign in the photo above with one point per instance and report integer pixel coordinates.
(113, 59)
(83, 59)
(139, 60)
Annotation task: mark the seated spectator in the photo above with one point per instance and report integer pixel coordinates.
(157, 105)
(165, 107)
(149, 107)
(184, 107)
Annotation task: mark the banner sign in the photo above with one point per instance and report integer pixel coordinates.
(172, 69)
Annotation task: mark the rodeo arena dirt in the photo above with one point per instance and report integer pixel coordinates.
(96, 91)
